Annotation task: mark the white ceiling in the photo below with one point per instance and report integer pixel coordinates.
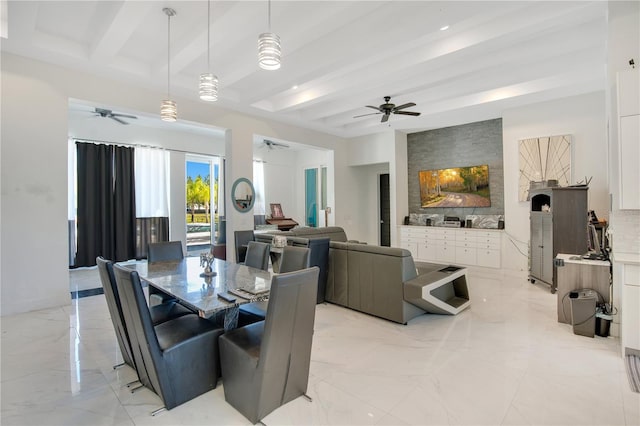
(341, 55)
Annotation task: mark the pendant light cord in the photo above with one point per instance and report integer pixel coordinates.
(169, 56)
(209, 36)
(269, 14)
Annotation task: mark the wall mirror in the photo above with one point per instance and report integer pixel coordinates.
(243, 195)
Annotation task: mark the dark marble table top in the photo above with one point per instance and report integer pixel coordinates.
(182, 280)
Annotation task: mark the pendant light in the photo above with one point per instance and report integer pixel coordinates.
(168, 108)
(269, 48)
(208, 81)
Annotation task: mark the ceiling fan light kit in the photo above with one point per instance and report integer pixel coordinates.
(168, 108)
(208, 87)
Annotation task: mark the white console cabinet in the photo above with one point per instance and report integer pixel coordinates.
(466, 246)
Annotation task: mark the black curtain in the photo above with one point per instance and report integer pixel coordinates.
(124, 195)
(106, 203)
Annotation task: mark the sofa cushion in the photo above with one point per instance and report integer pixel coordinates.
(334, 233)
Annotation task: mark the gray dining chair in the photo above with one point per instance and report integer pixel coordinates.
(257, 255)
(266, 364)
(292, 259)
(163, 251)
(242, 239)
(178, 359)
(159, 313)
(318, 256)
(105, 270)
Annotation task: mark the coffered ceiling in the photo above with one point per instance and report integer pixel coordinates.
(338, 56)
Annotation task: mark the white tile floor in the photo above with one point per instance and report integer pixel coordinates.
(504, 361)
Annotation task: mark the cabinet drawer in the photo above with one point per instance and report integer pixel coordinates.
(632, 275)
(446, 254)
(488, 258)
(467, 244)
(488, 245)
(491, 239)
(466, 237)
(466, 255)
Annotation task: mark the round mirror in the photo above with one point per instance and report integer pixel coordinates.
(243, 195)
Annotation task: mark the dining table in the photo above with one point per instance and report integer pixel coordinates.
(210, 295)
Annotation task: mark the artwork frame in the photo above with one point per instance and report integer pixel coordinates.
(544, 159)
(464, 187)
(276, 211)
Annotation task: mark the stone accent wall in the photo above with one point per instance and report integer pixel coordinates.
(472, 144)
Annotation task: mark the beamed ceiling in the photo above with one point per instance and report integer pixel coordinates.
(339, 55)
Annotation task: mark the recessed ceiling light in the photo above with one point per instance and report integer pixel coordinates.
(294, 87)
(444, 28)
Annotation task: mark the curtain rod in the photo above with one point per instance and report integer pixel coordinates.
(143, 146)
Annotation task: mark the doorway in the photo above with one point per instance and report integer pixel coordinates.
(202, 178)
(385, 210)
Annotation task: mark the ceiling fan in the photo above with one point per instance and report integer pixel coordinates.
(387, 109)
(114, 116)
(273, 145)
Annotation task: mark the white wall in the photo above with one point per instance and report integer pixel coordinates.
(33, 215)
(279, 182)
(581, 116)
(34, 272)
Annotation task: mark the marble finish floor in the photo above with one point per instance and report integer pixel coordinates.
(504, 361)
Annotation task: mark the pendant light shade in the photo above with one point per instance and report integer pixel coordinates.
(269, 53)
(208, 87)
(168, 108)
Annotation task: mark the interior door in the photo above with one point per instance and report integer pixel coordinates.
(535, 265)
(385, 211)
(547, 248)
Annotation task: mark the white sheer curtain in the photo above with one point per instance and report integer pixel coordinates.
(258, 186)
(152, 165)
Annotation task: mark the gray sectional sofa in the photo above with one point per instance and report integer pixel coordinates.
(366, 278)
(334, 233)
(371, 279)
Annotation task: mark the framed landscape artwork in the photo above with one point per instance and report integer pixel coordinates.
(455, 187)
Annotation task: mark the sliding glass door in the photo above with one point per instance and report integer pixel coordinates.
(202, 208)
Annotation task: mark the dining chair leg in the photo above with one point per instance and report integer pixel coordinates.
(307, 397)
(132, 383)
(158, 411)
(136, 388)
(118, 365)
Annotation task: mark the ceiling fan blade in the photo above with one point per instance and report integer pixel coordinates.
(374, 107)
(364, 115)
(117, 119)
(415, 114)
(384, 118)
(403, 106)
(124, 115)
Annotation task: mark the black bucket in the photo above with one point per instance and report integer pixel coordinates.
(603, 324)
